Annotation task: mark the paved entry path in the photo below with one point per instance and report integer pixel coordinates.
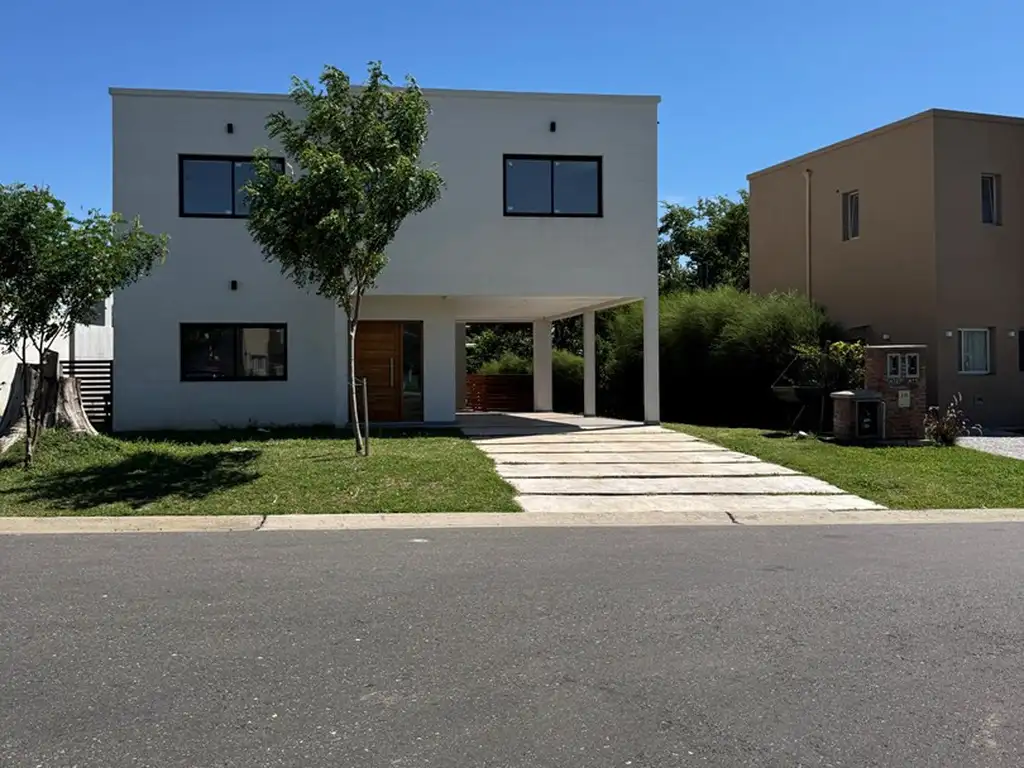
(565, 463)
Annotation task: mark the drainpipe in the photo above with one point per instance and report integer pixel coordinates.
(807, 231)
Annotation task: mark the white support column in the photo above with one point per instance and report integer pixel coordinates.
(589, 365)
(341, 390)
(542, 384)
(652, 407)
(439, 367)
(460, 366)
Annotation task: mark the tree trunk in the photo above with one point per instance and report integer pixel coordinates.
(27, 398)
(352, 384)
(40, 400)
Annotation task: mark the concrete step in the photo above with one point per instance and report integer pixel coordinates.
(666, 458)
(682, 504)
(612, 471)
(624, 436)
(788, 484)
(493, 449)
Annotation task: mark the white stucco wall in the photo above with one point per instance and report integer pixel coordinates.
(464, 246)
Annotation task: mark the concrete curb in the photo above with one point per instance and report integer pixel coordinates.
(151, 524)
(412, 521)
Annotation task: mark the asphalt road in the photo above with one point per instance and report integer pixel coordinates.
(801, 646)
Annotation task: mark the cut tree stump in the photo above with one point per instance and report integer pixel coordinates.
(56, 402)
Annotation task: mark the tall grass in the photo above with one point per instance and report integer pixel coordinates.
(721, 350)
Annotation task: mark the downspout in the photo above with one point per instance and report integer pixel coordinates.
(807, 233)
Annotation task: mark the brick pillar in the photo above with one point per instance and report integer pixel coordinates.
(842, 416)
(890, 369)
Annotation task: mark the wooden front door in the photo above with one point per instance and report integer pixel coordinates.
(379, 361)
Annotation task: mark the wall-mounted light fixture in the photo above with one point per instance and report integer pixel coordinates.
(949, 334)
(234, 285)
(231, 127)
(886, 337)
(553, 126)
(1012, 334)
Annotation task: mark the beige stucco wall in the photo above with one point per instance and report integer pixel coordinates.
(885, 278)
(924, 265)
(980, 266)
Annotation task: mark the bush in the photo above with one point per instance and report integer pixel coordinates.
(567, 381)
(566, 375)
(839, 365)
(490, 342)
(508, 362)
(721, 351)
(944, 427)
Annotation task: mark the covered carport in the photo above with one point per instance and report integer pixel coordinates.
(541, 312)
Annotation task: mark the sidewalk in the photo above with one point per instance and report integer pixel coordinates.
(429, 521)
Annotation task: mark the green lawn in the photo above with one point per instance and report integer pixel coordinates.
(252, 472)
(900, 478)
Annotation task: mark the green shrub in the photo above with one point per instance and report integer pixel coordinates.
(944, 427)
(490, 342)
(839, 365)
(721, 351)
(566, 375)
(567, 381)
(508, 362)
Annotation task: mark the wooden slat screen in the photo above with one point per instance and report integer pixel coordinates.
(96, 379)
(499, 392)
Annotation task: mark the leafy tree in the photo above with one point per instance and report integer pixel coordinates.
(54, 269)
(705, 245)
(329, 226)
(491, 341)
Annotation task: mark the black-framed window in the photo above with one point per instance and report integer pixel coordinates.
(552, 185)
(211, 186)
(991, 198)
(234, 352)
(851, 215)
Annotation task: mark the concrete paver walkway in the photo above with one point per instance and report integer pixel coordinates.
(565, 463)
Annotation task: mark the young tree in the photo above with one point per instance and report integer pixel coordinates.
(705, 245)
(358, 151)
(54, 269)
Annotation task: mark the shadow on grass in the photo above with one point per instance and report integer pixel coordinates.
(255, 435)
(139, 479)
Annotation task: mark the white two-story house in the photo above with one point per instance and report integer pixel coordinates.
(550, 210)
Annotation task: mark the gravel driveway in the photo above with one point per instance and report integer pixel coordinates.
(1000, 445)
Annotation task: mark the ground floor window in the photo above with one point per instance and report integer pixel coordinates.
(233, 352)
(974, 350)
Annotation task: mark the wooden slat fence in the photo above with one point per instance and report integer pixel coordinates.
(96, 379)
(499, 392)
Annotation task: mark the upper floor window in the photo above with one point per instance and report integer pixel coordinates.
(974, 350)
(991, 204)
(233, 352)
(851, 215)
(547, 185)
(213, 186)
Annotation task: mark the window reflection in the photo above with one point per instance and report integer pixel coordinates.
(412, 371)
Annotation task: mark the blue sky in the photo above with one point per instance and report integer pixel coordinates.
(744, 84)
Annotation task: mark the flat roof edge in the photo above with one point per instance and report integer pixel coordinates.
(843, 143)
(934, 113)
(450, 92)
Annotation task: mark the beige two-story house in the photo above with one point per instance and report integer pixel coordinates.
(910, 233)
